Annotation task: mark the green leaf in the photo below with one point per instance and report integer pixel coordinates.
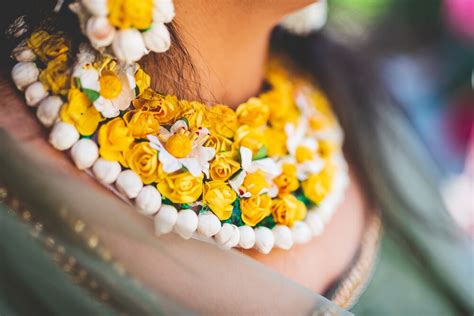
(166, 201)
(236, 217)
(91, 94)
(79, 83)
(262, 153)
(301, 197)
(268, 222)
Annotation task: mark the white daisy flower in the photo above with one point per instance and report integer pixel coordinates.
(110, 91)
(266, 168)
(303, 150)
(181, 147)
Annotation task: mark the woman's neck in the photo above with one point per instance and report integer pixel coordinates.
(228, 45)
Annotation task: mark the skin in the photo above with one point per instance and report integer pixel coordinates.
(228, 43)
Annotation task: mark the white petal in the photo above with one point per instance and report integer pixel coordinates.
(268, 166)
(178, 125)
(245, 157)
(90, 79)
(106, 108)
(170, 163)
(155, 142)
(192, 165)
(237, 181)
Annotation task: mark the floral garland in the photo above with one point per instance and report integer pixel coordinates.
(268, 174)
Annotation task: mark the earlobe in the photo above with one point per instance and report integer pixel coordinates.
(307, 20)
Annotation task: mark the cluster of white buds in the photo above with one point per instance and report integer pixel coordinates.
(127, 44)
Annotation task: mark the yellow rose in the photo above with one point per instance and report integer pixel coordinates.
(223, 120)
(326, 148)
(288, 209)
(287, 181)
(281, 104)
(322, 104)
(131, 13)
(223, 167)
(319, 122)
(142, 123)
(219, 196)
(115, 138)
(250, 137)
(255, 183)
(47, 46)
(80, 112)
(318, 185)
(56, 75)
(255, 209)
(143, 159)
(165, 108)
(304, 153)
(181, 187)
(219, 143)
(275, 141)
(253, 113)
(195, 113)
(142, 80)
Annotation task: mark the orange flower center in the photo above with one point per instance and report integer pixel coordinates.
(303, 154)
(110, 86)
(179, 145)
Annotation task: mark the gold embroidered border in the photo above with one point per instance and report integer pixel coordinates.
(67, 262)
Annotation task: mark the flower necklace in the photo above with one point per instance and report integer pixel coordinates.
(269, 174)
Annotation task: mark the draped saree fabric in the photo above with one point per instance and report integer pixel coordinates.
(69, 249)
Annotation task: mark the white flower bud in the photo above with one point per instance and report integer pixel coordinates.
(106, 171)
(209, 224)
(186, 224)
(264, 239)
(163, 11)
(165, 219)
(128, 45)
(100, 32)
(247, 237)
(283, 238)
(228, 237)
(35, 93)
(315, 223)
(84, 153)
(48, 110)
(24, 74)
(63, 136)
(96, 7)
(301, 233)
(157, 39)
(129, 183)
(148, 200)
(23, 53)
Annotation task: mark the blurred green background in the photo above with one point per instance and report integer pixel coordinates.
(424, 51)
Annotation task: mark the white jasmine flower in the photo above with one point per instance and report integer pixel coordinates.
(180, 147)
(267, 166)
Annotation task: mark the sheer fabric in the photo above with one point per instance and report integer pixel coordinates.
(67, 226)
